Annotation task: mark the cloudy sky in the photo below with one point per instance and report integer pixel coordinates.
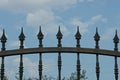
(87, 14)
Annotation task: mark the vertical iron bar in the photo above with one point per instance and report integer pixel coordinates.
(21, 67)
(116, 41)
(40, 37)
(59, 66)
(78, 67)
(78, 37)
(40, 66)
(97, 38)
(116, 69)
(21, 38)
(59, 37)
(2, 69)
(97, 67)
(3, 41)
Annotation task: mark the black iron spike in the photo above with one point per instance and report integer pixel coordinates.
(3, 40)
(40, 37)
(59, 37)
(97, 38)
(40, 34)
(59, 34)
(116, 41)
(21, 38)
(78, 37)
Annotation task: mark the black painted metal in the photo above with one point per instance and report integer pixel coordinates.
(78, 37)
(97, 38)
(40, 66)
(40, 37)
(3, 41)
(21, 68)
(59, 49)
(59, 37)
(116, 41)
(21, 38)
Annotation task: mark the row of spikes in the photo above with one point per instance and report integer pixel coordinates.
(59, 37)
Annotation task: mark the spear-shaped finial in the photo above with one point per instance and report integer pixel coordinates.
(97, 38)
(40, 37)
(116, 41)
(21, 38)
(3, 40)
(59, 37)
(78, 37)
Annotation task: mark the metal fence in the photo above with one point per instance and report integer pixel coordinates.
(59, 50)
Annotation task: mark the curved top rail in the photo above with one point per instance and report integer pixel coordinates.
(59, 49)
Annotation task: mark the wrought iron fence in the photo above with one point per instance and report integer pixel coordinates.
(59, 50)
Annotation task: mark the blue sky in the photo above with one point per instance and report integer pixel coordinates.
(87, 14)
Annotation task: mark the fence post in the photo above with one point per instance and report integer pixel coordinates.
(3, 41)
(40, 37)
(78, 37)
(21, 38)
(116, 41)
(59, 37)
(97, 38)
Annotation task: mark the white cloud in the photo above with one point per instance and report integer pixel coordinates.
(34, 5)
(31, 67)
(40, 12)
(85, 25)
(86, 0)
(47, 19)
(43, 16)
(14, 44)
(109, 33)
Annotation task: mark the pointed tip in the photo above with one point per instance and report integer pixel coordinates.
(3, 38)
(116, 39)
(77, 28)
(59, 28)
(78, 35)
(40, 34)
(116, 32)
(22, 29)
(39, 28)
(3, 31)
(97, 29)
(21, 36)
(59, 34)
(96, 37)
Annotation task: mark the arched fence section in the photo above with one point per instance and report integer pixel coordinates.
(59, 50)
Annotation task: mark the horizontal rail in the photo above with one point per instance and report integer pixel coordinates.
(59, 49)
